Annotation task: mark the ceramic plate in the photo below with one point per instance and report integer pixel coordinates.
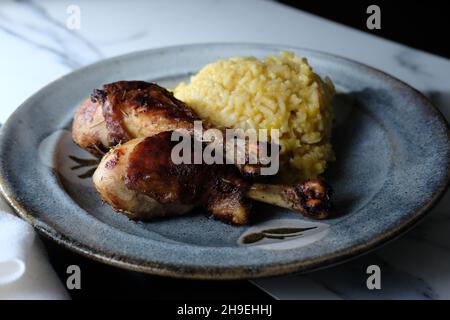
(392, 150)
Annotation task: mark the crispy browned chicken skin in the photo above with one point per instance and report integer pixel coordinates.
(140, 179)
(125, 110)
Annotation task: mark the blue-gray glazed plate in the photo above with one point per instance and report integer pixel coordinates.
(392, 149)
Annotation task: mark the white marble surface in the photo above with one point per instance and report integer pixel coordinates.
(37, 48)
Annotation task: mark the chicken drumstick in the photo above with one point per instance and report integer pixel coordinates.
(124, 110)
(139, 179)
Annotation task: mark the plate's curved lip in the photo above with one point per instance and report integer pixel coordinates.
(228, 273)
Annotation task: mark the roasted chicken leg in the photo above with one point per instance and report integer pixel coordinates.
(124, 110)
(139, 179)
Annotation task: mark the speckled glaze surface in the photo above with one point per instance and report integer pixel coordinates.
(392, 149)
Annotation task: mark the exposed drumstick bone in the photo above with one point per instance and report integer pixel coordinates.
(312, 198)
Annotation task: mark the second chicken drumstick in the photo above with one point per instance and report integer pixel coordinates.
(139, 179)
(125, 110)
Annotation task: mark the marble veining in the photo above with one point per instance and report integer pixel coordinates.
(44, 32)
(406, 59)
(37, 48)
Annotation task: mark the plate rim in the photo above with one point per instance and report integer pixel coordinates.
(234, 273)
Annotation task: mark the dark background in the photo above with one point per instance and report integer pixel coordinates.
(420, 24)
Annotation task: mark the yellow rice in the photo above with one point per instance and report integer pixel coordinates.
(278, 92)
